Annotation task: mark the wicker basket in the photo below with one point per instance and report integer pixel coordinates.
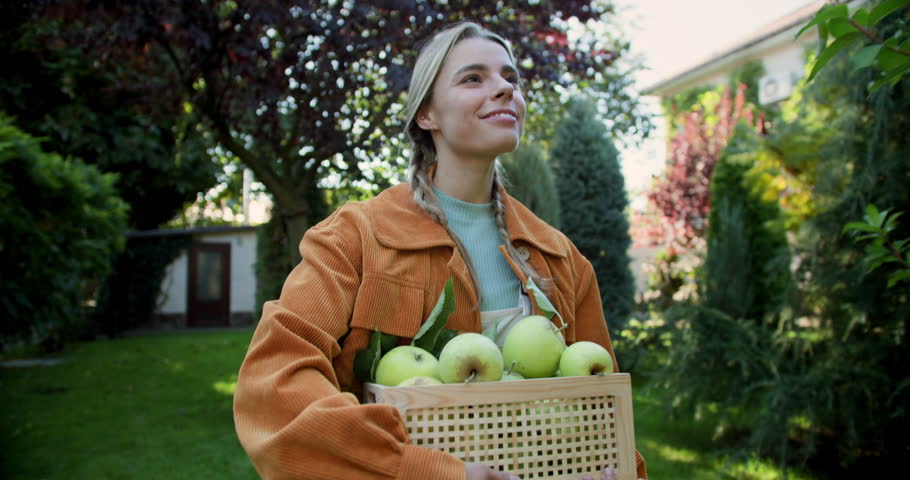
(542, 428)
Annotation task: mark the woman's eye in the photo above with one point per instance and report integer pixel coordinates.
(472, 78)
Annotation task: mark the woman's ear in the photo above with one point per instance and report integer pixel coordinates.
(425, 120)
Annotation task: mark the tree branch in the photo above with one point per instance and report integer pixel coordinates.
(872, 36)
(259, 166)
(293, 136)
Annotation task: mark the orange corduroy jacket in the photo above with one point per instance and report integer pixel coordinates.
(381, 264)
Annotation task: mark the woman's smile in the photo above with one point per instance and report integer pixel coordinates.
(506, 117)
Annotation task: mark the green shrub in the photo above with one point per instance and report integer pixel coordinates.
(529, 178)
(762, 265)
(727, 350)
(60, 223)
(593, 201)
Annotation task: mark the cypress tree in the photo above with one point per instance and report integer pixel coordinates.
(530, 179)
(593, 201)
(725, 348)
(764, 259)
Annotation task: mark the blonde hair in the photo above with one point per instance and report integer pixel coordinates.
(423, 151)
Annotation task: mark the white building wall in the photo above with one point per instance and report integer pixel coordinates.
(173, 291)
(788, 59)
(173, 299)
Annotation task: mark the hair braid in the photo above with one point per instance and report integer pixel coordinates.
(499, 211)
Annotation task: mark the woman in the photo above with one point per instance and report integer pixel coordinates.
(382, 264)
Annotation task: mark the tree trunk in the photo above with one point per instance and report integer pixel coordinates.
(295, 224)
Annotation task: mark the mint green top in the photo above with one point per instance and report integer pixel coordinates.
(475, 225)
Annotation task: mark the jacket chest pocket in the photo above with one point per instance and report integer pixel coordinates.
(390, 304)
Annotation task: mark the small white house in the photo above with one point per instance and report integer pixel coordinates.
(212, 283)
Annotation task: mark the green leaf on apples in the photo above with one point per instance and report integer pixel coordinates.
(543, 303)
(444, 337)
(366, 360)
(428, 335)
(387, 341)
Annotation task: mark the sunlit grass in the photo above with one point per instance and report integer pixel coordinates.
(683, 448)
(670, 454)
(226, 387)
(155, 407)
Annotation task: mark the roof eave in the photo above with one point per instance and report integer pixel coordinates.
(786, 33)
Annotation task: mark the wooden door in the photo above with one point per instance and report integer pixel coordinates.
(209, 285)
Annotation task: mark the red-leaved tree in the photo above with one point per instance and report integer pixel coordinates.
(682, 195)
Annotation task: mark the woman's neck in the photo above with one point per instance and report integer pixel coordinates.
(467, 180)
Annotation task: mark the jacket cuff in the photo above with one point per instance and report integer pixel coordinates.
(421, 463)
(640, 466)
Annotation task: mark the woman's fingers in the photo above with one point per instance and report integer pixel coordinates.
(478, 471)
(607, 474)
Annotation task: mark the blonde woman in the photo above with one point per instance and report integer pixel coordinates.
(382, 264)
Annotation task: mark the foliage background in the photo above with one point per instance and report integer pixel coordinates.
(60, 222)
(593, 201)
(530, 179)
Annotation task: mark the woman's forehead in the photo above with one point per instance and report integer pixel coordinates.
(477, 52)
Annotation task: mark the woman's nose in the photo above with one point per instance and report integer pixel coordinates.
(504, 88)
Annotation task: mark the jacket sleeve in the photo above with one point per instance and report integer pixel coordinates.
(591, 325)
(290, 416)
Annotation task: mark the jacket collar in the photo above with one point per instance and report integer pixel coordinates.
(400, 224)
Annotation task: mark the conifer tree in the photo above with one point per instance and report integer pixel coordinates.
(530, 179)
(593, 200)
(764, 259)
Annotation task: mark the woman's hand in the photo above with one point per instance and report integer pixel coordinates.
(479, 471)
(607, 474)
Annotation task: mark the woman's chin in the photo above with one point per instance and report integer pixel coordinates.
(506, 145)
(493, 148)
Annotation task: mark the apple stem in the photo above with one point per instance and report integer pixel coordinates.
(563, 327)
(511, 367)
(471, 377)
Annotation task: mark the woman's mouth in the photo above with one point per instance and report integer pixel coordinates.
(502, 116)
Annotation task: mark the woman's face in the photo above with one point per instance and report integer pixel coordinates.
(476, 109)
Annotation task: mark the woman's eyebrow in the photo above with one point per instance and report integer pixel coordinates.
(483, 68)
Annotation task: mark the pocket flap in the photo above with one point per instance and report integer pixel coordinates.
(390, 304)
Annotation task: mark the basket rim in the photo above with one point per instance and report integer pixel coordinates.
(532, 389)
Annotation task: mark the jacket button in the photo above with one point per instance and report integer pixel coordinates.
(523, 253)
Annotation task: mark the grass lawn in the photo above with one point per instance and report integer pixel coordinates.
(682, 448)
(159, 407)
(152, 407)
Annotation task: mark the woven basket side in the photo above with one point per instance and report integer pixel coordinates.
(560, 438)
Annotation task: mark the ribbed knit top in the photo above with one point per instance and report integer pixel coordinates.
(475, 225)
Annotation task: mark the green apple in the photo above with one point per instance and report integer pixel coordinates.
(585, 358)
(404, 362)
(535, 345)
(470, 357)
(511, 375)
(420, 380)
